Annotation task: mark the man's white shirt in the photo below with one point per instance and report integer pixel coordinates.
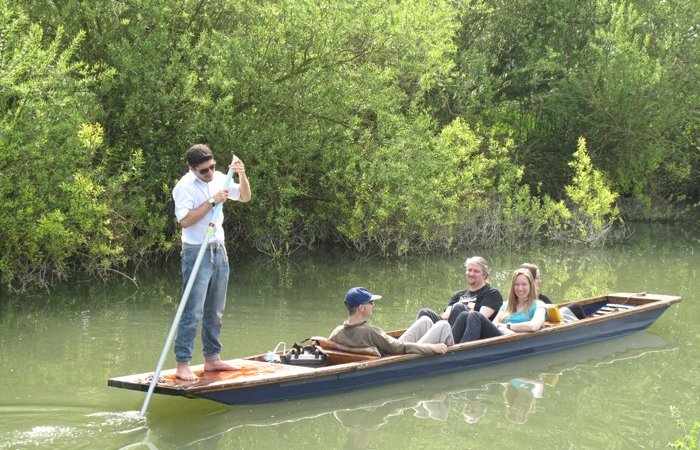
(189, 193)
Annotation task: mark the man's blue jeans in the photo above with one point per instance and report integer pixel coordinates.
(205, 304)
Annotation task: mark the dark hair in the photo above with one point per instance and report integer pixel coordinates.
(351, 309)
(531, 267)
(197, 154)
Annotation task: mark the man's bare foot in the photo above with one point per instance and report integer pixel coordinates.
(185, 373)
(217, 365)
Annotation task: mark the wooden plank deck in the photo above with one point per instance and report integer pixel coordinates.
(248, 371)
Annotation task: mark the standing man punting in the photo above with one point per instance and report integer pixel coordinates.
(196, 195)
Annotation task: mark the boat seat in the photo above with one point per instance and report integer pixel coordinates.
(342, 354)
(327, 344)
(611, 308)
(340, 357)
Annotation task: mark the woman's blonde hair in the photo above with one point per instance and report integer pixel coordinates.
(513, 299)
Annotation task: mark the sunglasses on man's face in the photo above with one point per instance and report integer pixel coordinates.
(207, 169)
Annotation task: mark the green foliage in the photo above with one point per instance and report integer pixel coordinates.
(456, 190)
(60, 206)
(592, 201)
(492, 203)
(690, 440)
(395, 197)
(387, 127)
(303, 89)
(44, 97)
(624, 103)
(623, 74)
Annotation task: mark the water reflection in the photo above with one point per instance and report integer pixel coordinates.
(521, 395)
(521, 386)
(511, 391)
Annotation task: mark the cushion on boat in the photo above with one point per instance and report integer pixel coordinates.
(327, 344)
(553, 313)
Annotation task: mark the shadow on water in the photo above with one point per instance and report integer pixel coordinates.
(520, 385)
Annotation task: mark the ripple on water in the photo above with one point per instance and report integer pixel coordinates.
(66, 427)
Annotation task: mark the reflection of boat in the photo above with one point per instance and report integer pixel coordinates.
(369, 409)
(258, 381)
(521, 394)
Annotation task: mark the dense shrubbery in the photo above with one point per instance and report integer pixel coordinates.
(390, 128)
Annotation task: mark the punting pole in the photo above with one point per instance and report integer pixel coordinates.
(186, 293)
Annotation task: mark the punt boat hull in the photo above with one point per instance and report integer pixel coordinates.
(258, 381)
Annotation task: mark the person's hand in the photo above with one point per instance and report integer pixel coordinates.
(504, 329)
(220, 196)
(237, 166)
(440, 348)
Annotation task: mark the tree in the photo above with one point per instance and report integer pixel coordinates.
(51, 212)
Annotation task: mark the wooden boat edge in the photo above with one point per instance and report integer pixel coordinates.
(137, 382)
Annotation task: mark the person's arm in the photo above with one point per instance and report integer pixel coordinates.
(533, 324)
(243, 184)
(490, 303)
(499, 317)
(195, 215)
(454, 298)
(487, 311)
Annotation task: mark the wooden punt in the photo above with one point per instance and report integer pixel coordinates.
(258, 381)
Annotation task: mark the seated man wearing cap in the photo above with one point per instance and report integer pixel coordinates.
(421, 337)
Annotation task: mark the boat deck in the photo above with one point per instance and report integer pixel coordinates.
(247, 370)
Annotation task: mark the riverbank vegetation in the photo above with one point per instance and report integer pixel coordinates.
(389, 128)
(689, 440)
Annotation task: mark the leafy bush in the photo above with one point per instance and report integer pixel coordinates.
(591, 202)
(387, 127)
(45, 98)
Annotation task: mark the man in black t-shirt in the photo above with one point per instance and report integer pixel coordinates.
(479, 296)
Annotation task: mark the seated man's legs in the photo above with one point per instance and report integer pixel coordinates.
(478, 327)
(459, 325)
(577, 310)
(457, 309)
(439, 333)
(435, 317)
(417, 329)
(424, 331)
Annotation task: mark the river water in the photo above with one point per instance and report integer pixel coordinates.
(58, 349)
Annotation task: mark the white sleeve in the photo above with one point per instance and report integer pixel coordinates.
(184, 201)
(234, 192)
